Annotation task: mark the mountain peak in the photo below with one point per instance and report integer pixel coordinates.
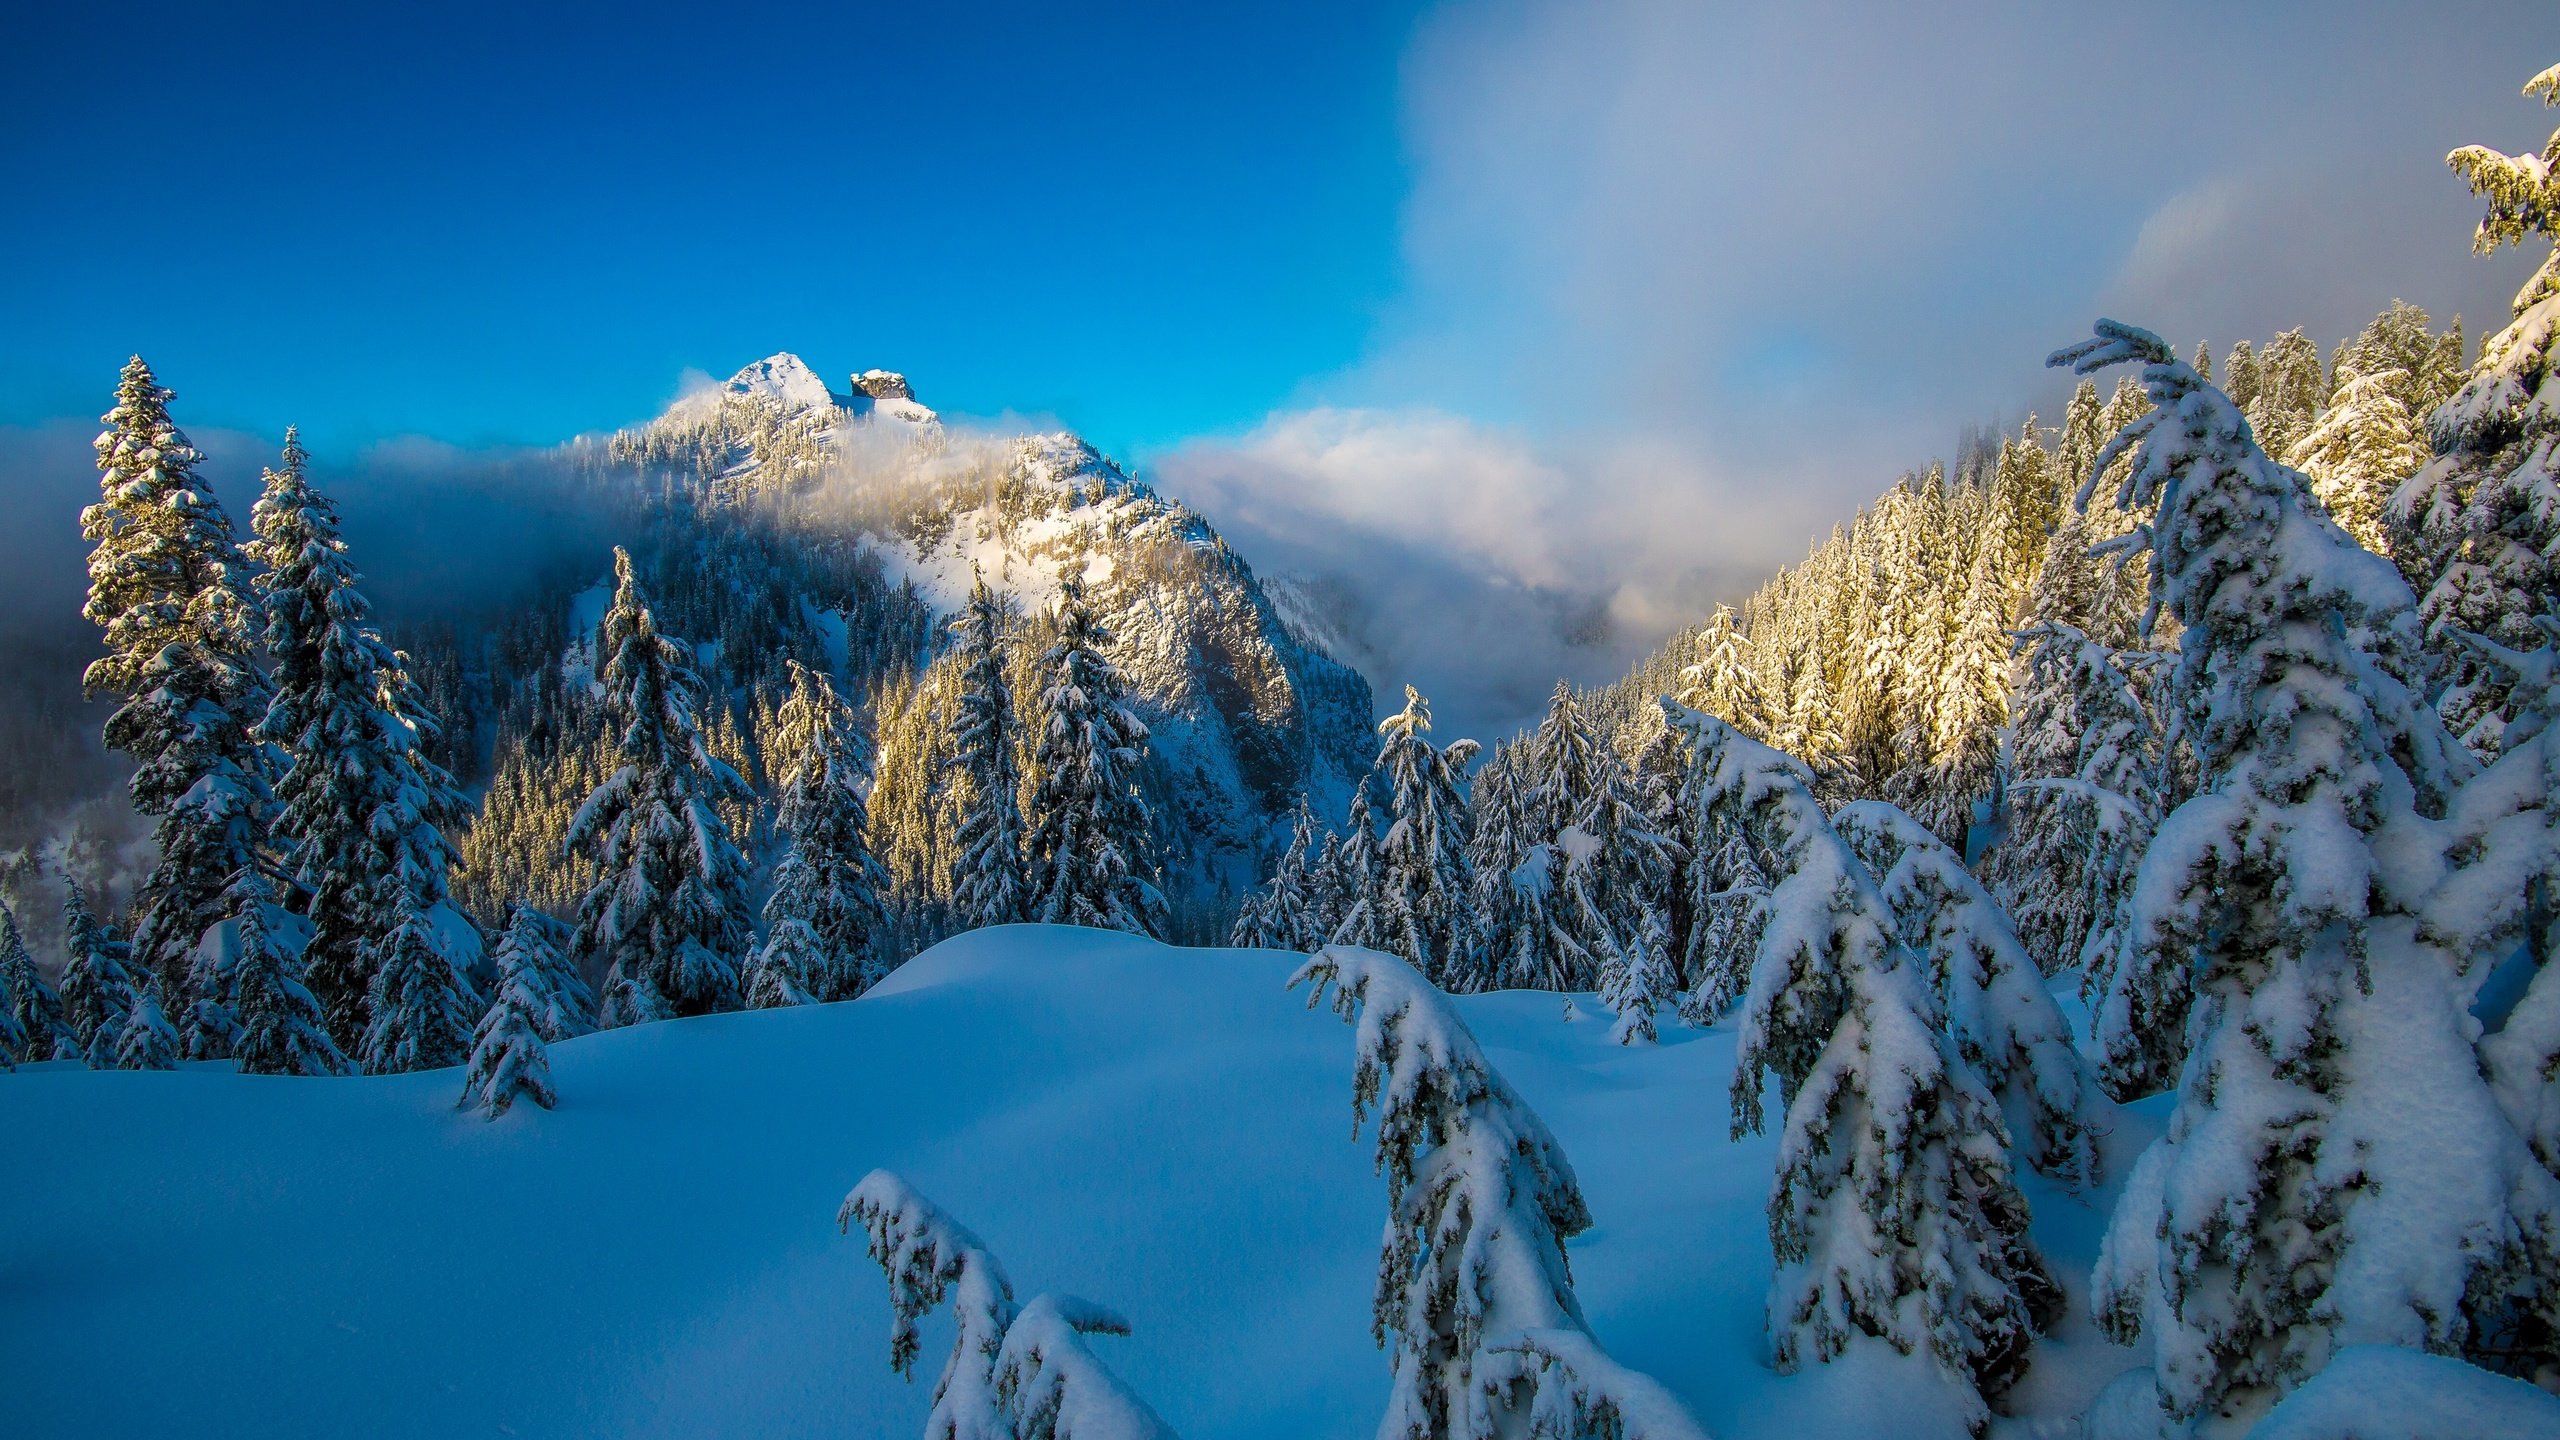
(781, 376)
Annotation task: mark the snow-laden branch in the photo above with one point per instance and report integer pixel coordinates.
(1014, 1373)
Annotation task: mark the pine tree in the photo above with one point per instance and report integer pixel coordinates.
(535, 948)
(668, 914)
(989, 886)
(1417, 902)
(1722, 682)
(508, 1057)
(363, 811)
(1475, 1296)
(2360, 452)
(282, 1030)
(2240, 377)
(828, 922)
(1619, 875)
(1971, 705)
(422, 1007)
(1729, 895)
(2280, 920)
(97, 989)
(169, 587)
(1562, 766)
(2292, 386)
(1282, 915)
(209, 1026)
(147, 1042)
(1997, 1010)
(2084, 795)
(35, 1011)
(1895, 1215)
(1090, 829)
(1517, 879)
(1327, 894)
(2479, 526)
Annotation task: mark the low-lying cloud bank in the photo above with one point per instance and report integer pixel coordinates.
(1478, 563)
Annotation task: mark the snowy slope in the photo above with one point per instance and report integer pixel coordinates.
(1165, 1131)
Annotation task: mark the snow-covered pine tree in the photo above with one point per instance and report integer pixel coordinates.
(508, 1057)
(1722, 682)
(363, 811)
(1996, 1008)
(829, 925)
(1895, 1216)
(97, 988)
(2480, 524)
(1518, 875)
(1347, 866)
(668, 916)
(989, 884)
(2359, 452)
(169, 589)
(1618, 879)
(1281, 916)
(1327, 885)
(282, 1029)
(1560, 766)
(1016, 1372)
(1728, 898)
(2084, 796)
(1638, 978)
(38, 1029)
(2292, 385)
(1473, 1281)
(787, 966)
(535, 947)
(148, 1041)
(422, 1008)
(2240, 377)
(2372, 437)
(2282, 919)
(1418, 899)
(209, 1025)
(1090, 830)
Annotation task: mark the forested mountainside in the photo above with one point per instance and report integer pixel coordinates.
(789, 522)
(1890, 657)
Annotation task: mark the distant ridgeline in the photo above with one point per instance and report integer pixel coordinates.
(785, 521)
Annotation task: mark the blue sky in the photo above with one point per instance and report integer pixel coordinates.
(516, 223)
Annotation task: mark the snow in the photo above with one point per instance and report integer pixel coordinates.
(782, 377)
(2379, 1392)
(1161, 1130)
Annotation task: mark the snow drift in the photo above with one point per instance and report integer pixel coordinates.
(1165, 1131)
